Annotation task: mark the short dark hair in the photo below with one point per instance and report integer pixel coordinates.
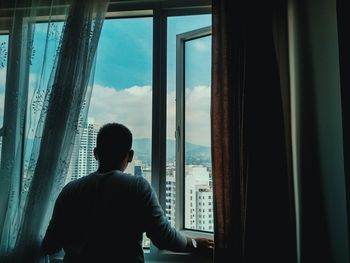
(114, 141)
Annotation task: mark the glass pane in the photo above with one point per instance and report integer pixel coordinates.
(176, 25)
(198, 176)
(3, 68)
(122, 93)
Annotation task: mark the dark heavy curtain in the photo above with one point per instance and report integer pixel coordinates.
(344, 60)
(252, 175)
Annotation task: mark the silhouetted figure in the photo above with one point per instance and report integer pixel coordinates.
(102, 217)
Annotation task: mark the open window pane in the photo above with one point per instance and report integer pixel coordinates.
(177, 25)
(193, 128)
(197, 152)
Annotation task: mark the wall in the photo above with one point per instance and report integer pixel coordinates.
(317, 132)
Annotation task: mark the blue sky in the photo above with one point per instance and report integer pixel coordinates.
(123, 75)
(124, 57)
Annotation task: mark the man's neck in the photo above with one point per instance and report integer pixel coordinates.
(106, 169)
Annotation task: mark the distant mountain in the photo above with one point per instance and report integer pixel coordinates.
(194, 154)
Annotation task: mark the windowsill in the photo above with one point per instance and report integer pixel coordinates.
(196, 233)
(162, 256)
(170, 256)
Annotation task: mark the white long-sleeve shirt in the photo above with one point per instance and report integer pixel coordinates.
(102, 217)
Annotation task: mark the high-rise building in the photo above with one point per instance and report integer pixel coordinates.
(170, 193)
(204, 206)
(83, 161)
(91, 162)
(197, 178)
(147, 173)
(138, 170)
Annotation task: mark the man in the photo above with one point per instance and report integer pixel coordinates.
(102, 217)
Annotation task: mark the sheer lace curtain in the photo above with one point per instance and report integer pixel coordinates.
(49, 75)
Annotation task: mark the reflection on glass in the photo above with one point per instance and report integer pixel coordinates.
(198, 176)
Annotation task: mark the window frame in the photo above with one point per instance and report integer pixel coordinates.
(181, 40)
(159, 113)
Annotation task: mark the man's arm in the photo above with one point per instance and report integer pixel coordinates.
(52, 241)
(159, 229)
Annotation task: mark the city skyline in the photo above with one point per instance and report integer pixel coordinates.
(198, 180)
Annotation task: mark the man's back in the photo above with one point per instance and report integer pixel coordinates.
(101, 218)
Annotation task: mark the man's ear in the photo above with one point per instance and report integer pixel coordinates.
(95, 154)
(130, 156)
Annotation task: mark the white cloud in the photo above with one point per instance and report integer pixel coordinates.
(171, 115)
(133, 107)
(197, 115)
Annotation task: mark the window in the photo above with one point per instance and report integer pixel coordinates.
(188, 110)
(136, 83)
(122, 92)
(193, 114)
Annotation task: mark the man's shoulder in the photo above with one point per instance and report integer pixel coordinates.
(112, 179)
(122, 178)
(80, 182)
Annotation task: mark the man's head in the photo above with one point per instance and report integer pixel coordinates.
(113, 146)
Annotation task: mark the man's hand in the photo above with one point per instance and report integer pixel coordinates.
(200, 245)
(204, 243)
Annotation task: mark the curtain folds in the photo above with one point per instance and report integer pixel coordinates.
(251, 144)
(344, 64)
(226, 130)
(56, 74)
(14, 118)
